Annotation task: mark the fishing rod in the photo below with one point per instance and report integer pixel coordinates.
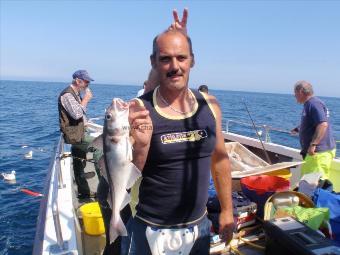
(257, 133)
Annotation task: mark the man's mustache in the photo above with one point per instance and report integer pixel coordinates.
(172, 73)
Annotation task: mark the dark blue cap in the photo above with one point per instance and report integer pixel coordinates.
(83, 75)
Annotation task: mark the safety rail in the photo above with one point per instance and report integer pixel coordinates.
(262, 127)
(55, 178)
(57, 184)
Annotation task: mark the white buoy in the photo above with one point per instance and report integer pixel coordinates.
(9, 176)
(28, 155)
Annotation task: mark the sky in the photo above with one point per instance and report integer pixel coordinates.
(256, 46)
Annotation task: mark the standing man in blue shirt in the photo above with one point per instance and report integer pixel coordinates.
(315, 131)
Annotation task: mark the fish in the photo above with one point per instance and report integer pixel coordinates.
(115, 164)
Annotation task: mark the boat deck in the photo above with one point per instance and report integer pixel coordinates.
(60, 226)
(91, 244)
(95, 244)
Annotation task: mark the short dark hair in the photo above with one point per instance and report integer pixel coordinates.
(203, 88)
(155, 46)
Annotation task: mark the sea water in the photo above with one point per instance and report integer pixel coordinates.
(29, 122)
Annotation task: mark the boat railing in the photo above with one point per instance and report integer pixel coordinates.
(57, 184)
(55, 178)
(260, 128)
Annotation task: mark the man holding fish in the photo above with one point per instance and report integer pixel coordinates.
(177, 140)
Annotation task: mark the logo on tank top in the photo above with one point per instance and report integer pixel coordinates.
(189, 136)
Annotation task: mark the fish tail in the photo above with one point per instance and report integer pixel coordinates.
(117, 228)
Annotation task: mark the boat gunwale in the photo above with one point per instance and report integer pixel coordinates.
(41, 219)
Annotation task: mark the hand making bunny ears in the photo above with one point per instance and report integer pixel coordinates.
(177, 24)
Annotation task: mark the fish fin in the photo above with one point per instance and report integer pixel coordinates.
(117, 228)
(128, 149)
(109, 200)
(126, 201)
(97, 142)
(102, 167)
(134, 174)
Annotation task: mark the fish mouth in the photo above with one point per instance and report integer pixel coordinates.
(119, 105)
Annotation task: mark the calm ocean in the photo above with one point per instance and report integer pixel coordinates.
(29, 122)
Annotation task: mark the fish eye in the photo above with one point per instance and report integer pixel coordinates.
(108, 116)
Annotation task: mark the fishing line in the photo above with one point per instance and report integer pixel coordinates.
(258, 136)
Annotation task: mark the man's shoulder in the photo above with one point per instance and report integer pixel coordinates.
(317, 109)
(315, 102)
(67, 96)
(67, 90)
(147, 96)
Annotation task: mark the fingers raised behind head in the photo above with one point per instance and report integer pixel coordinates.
(175, 14)
(185, 17)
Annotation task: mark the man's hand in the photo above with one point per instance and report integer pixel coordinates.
(311, 149)
(87, 97)
(141, 124)
(226, 222)
(141, 132)
(320, 132)
(177, 24)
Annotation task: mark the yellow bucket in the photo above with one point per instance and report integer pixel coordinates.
(283, 173)
(92, 218)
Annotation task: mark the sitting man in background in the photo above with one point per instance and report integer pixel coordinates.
(315, 131)
(72, 120)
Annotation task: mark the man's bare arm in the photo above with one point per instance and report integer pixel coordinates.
(220, 169)
(320, 132)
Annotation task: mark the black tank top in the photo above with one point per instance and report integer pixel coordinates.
(174, 188)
